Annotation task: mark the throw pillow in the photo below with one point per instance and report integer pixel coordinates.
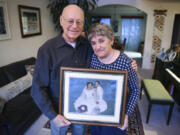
(2, 102)
(30, 69)
(12, 89)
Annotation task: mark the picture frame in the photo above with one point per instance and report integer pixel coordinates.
(93, 97)
(4, 22)
(30, 21)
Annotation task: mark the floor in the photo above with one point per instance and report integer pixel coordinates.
(157, 121)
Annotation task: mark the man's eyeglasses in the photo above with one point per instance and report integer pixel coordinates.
(71, 22)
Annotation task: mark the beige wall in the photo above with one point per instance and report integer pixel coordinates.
(18, 48)
(148, 6)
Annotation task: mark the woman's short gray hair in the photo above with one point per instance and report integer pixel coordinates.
(100, 30)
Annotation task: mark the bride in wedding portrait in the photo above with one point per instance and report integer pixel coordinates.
(91, 101)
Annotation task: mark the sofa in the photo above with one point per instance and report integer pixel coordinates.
(19, 111)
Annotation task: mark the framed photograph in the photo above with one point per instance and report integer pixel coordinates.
(30, 21)
(4, 22)
(93, 97)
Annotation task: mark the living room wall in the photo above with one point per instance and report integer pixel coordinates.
(148, 7)
(18, 48)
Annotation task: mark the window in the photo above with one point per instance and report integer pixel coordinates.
(106, 20)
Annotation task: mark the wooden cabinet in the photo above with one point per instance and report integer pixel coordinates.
(160, 72)
(176, 31)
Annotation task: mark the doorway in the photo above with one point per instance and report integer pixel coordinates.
(127, 23)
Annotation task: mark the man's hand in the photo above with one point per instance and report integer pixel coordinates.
(134, 65)
(61, 121)
(125, 125)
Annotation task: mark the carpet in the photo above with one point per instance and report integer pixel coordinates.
(135, 124)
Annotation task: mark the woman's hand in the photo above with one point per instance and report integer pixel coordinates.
(61, 121)
(125, 125)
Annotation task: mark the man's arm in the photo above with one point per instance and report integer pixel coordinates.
(40, 88)
(40, 85)
(134, 90)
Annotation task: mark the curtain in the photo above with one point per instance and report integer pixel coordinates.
(131, 30)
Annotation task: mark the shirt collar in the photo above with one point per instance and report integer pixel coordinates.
(61, 42)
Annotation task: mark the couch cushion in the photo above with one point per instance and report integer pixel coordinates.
(17, 69)
(12, 89)
(17, 105)
(3, 78)
(2, 102)
(20, 112)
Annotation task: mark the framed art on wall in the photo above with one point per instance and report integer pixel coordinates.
(94, 97)
(4, 22)
(30, 21)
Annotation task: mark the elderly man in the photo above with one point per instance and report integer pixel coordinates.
(68, 49)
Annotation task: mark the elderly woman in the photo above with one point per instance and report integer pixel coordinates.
(105, 57)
